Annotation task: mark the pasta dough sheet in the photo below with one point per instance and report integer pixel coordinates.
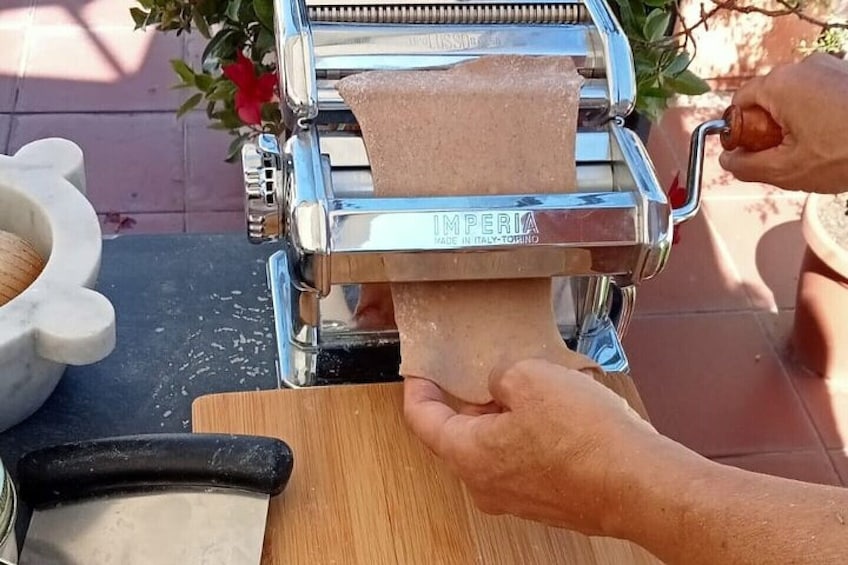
(495, 125)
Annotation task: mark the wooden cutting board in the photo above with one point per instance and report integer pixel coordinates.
(364, 491)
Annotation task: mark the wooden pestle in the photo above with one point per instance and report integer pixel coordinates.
(496, 125)
(20, 265)
(751, 129)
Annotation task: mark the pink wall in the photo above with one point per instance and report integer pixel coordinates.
(737, 46)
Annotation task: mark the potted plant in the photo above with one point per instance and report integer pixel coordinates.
(237, 77)
(820, 332)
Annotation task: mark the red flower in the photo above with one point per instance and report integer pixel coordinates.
(252, 91)
(677, 198)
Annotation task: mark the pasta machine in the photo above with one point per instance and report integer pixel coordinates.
(310, 190)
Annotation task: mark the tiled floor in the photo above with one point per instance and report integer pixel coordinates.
(708, 346)
(77, 69)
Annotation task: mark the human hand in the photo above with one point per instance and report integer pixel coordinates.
(375, 309)
(809, 100)
(556, 446)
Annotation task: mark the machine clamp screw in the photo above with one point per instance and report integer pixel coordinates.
(261, 164)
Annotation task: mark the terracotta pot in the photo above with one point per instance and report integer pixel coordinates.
(820, 330)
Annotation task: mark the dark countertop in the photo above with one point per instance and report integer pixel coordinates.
(194, 317)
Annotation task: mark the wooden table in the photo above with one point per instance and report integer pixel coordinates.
(366, 492)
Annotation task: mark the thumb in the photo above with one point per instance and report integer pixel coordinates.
(513, 385)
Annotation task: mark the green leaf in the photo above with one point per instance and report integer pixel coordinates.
(645, 67)
(271, 112)
(222, 46)
(233, 9)
(139, 16)
(247, 14)
(203, 81)
(229, 118)
(645, 57)
(656, 24)
(210, 109)
(183, 70)
(189, 104)
(264, 43)
(200, 23)
(651, 107)
(688, 83)
(213, 11)
(637, 8)
(628, 21)
(678, 64)
(235, 147)
(264, 10)
(657, 3)
(657, 92)
(222, 90)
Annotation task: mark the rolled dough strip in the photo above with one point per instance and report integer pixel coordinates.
(496, 125)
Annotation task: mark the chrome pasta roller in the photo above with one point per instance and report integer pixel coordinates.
(311, 190)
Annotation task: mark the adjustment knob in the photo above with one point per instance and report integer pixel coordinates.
(262, 166)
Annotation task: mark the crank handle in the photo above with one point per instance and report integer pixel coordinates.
(749, 129)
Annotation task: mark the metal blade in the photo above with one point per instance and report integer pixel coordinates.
(169, 528)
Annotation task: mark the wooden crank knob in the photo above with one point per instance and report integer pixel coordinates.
(752, 129)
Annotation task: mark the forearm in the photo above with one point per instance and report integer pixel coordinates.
(687, 509)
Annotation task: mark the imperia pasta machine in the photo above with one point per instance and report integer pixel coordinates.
(311, 191)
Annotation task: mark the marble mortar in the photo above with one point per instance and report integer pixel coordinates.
(59, 320)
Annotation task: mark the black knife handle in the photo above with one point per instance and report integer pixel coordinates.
(144, 463)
